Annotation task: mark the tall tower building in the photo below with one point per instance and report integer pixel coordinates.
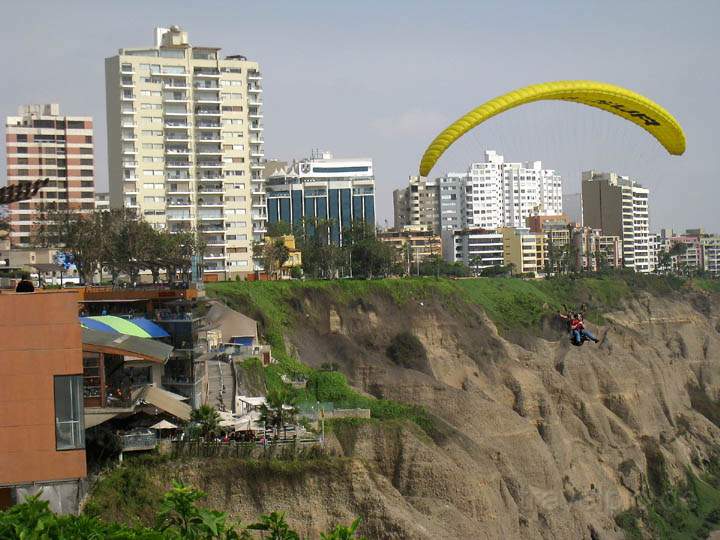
(42, 143)
(618, 206)
(185, 144)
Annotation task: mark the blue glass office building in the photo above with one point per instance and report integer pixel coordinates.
(340, 190)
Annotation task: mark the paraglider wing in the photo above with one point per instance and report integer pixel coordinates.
(614, 99)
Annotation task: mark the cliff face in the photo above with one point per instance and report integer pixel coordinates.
(536, 438)
(545, 439)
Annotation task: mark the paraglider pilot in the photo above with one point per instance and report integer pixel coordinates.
(578, 333)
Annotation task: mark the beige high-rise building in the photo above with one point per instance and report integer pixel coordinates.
(42, 143)
(618, 206)
(186, 147)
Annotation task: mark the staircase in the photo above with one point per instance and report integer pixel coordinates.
(221, 385)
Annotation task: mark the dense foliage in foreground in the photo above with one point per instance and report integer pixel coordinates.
(179, 517)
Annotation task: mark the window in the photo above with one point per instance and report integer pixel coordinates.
(21, 138)
(69, 421)
(76, 124)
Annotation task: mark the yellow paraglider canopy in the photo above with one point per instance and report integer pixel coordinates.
(620, 101)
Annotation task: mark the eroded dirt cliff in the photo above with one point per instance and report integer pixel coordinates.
(536, 438)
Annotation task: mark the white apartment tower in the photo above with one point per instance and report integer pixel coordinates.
(500, 194)
(185, 144)
(618, 206)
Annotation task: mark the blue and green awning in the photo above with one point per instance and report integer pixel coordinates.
(138, 327)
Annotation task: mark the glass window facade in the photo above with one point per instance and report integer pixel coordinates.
(69, 412)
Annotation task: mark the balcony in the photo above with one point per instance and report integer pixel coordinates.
(127, 97)
(200, 86)
(209, 229)
(177, 150)
(209, 165)
(257, 166)
(208, 151)
(127, 110)
(185, 191)
(129, 150)
(208, 125)
(177, 164)
(176, 86)
(178, 216)
(205, 137)
(254, 76)
(176, 125)
(256, 116)
(210, 203)
(255, 102)
(207, 112)
(127, 164)
(206, 74)
(218, 217)
(177, 137)
(217, 189)
(138, 440)
(179, 203)
(129, 137)
(257, 154)
(253, 89)
(214, 256)
(176, 112)
(209, 177)
(255, 127)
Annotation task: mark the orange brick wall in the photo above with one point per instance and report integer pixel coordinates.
(40, 337)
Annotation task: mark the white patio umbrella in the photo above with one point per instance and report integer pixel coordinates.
(164, 424)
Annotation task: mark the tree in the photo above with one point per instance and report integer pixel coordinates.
(274, 253)
(77, 233)
(208, 419)
(279, 228)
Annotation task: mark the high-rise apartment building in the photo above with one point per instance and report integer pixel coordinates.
(452, 201)
(418, 205)
(42, 143)
(185, 144)
(504, 194)
(341, 191)
(618, 206)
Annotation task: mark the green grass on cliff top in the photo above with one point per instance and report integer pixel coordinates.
(511, 303)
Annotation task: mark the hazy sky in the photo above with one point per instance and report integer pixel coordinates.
(381, 78)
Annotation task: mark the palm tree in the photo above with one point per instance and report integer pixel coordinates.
(208, 418)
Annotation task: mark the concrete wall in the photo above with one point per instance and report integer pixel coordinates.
(64, 497)
(41, 337)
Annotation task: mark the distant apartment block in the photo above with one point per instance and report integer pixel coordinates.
(618, 206)
(338, 190)
(489, 195)
(185, 144)
(413, 245)
(42, 143)
(505, 194)
(418, 205)
(524, 250)
(477, 248)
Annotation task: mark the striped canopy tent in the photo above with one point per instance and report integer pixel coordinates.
(138, 327)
